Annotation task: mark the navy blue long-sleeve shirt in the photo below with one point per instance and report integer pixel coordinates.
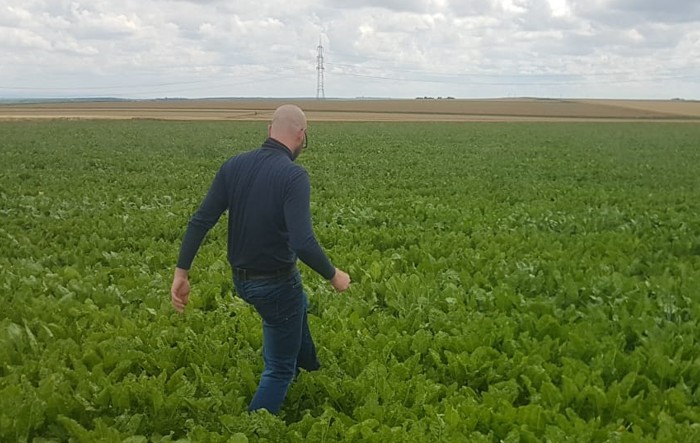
(268, 199)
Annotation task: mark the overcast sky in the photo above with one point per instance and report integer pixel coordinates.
(378, 48)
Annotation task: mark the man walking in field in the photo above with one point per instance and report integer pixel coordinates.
(269, 227)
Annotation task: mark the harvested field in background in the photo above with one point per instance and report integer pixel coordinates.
(364, 110)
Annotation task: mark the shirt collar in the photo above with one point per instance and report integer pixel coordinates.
(276, 145)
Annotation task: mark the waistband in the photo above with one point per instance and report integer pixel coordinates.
(247, 274)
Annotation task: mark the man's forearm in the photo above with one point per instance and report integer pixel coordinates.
(313, 256)
(206, 216)
(190, 244)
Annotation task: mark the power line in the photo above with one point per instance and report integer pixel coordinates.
(65, 88)
(463, 78)
(155, 87)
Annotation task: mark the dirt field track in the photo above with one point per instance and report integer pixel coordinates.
(365, 110)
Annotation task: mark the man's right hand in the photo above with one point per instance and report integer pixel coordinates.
(340, 281)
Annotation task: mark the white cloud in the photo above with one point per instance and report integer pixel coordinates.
(131, 48)
(559, 8)
(626, 12)
(417, 6)
(15, 39)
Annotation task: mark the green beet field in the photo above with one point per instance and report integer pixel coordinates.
(515, 282)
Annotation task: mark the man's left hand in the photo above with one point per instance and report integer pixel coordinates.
(180, 290)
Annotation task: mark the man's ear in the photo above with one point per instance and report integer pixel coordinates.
(269, 130)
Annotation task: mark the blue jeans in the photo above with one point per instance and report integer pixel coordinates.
(287, 342)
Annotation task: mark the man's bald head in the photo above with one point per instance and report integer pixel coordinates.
(288, 118)
(289, 127)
